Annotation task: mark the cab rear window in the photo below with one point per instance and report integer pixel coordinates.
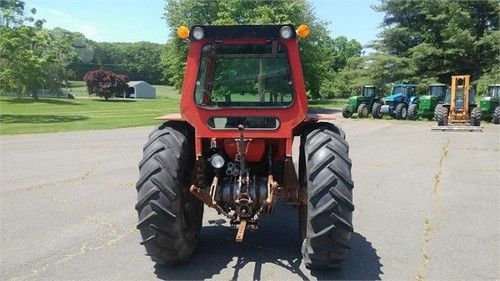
(249, 75)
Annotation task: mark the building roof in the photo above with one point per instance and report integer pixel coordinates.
(135, 83)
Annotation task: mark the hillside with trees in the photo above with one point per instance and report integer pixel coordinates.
(426, 41)
(138, 61)
(33, 57)
(421, 41)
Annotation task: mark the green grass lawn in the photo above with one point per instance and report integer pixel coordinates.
(336, 103)
(24, 116)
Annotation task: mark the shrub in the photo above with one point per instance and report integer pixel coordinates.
(105, 83)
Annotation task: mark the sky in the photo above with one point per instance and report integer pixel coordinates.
(142, 20)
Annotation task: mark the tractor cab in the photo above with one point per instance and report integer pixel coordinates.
(369, 91)
(494, 91)
(463, 94)
(490, 104)
(404, 90)
(437, 90)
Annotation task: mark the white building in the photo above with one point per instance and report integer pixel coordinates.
(140, 90)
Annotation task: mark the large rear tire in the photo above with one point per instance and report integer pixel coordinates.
(170, 218)
(442, 116)
(475, 116)
(326, 221)
(413, 111)
(496, 115)
(400, 112)
(376, 110)
(363, 110)
(346, 113)
(437, 108)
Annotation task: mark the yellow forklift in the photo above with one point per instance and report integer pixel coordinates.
(459, 112)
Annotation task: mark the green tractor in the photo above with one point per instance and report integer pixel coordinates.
(489, 104)
(429, 103)
(362, 104)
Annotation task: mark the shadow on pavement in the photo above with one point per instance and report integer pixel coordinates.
(363, 263)
(277, 243)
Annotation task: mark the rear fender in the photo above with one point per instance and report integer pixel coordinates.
(413, 100)
(311, 122)
(175, 118)
(318, 117)
(353, 103)
(171, 117)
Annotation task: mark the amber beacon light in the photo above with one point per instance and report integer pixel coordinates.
(303, 31)
(183, 32)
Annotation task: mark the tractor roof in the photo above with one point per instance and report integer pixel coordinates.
(494, 85)
(369, 86)
(405, 85)
(217, 32)
(437, 85)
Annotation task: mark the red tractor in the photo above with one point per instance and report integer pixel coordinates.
(243, 102)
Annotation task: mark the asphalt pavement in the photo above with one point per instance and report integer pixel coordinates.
(427, 208)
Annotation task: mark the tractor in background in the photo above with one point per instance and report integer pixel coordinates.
(362, 104)
(401, 104)
(459, 111)
(435, 96)
(489, 104)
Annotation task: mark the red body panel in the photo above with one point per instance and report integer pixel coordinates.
(255, 149)
(289, 117)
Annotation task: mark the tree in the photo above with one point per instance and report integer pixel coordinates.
(316, 50)
(105, 83)
(349, 80)
(489, 78)
(441, 37)
(338, 51)
(13, 14)
(342, 49)
(30, 56)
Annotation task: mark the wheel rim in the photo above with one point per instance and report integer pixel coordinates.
(365, 111)
(403, 113)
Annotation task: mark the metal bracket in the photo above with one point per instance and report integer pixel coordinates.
(241, 231)
(207, 199)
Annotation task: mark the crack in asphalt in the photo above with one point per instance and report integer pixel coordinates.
(426, 257)
(117, 233)
(437, 177)
(85, 175)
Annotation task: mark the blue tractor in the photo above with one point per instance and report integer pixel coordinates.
(401, 104)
